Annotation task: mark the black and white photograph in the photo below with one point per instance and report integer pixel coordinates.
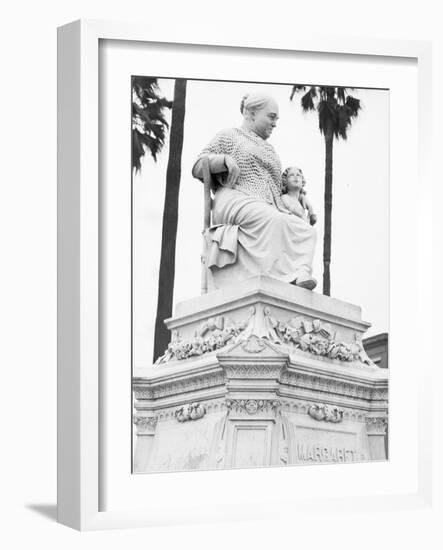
(222, 245)
(260, 274)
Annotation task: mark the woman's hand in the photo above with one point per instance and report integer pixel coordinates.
(233, 171)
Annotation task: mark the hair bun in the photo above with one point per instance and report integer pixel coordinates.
(242, 103)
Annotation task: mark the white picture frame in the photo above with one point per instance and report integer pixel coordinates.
(79, 388)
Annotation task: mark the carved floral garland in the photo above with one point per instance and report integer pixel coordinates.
(252, 406)
(213, 334)
(311, 336)
(320, 411)
(190, 411)
(317, 338)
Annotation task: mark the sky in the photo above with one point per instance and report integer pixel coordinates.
(360, 211)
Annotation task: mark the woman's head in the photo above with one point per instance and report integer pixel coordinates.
(260, 112)
(292, 179)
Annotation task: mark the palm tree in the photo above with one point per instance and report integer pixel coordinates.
(170, 220)
(336, 110)
(149, 124)
(149, 128)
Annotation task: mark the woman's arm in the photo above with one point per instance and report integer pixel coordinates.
(217, 165)
(218, 151)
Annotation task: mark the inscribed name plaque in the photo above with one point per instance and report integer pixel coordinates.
(319, 445)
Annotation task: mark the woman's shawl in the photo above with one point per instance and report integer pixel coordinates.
(260, 167)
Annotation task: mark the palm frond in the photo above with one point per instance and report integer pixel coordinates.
(336, 108)
(341, 95)
(354, 105)
(296, 88)
(137, 150)
(307, 101)
(149, 124)
(343, 122)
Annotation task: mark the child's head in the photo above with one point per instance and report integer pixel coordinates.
(292, 178)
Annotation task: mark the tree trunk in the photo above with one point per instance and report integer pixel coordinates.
(170, 220)
(329, 141)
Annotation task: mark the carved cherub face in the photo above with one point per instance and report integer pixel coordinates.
(292, 179)
(295, 180)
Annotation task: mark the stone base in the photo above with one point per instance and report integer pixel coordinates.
(261, 374)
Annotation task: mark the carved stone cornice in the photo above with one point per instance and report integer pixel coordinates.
(142, 392)
(376, 425)
(253, 371)
(329, 385)
(252, 406)
(145, 424)
(193, 383)
(322, 384)
(328, 413)
(379, 394)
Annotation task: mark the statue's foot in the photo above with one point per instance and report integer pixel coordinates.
(304, 281)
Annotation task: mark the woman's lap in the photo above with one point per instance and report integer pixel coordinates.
(269, 241)
(235, 208)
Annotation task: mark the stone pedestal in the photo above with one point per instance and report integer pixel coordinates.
(260, 374)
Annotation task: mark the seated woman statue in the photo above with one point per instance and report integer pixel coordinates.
(253, 232)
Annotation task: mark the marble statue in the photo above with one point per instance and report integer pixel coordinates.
(294, 194)
(253, 231)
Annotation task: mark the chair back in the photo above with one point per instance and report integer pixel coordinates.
(207, 201)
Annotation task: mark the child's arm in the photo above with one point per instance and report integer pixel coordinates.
(307, 205)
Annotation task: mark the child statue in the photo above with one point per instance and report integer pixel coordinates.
(294, 194)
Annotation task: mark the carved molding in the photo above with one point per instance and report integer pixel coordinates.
(145, 424)
(210, 406)
(213, 334)
(252, 406)
(317, 338)
(253, 345)
(252, 371)
(304, 381)
(189, 384)
(302, 407)
(379, 394)
(331, 386)
(141, 392)
(313, 336)
(190, 411)
(284, 455)
(328, 413)
(376, 425)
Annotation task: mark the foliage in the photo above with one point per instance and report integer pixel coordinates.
(336, 108)
(149, 125)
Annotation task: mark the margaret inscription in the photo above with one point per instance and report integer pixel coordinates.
(320, 453)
